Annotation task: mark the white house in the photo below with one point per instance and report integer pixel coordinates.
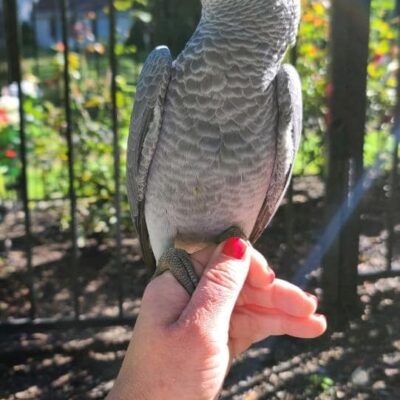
(88, 22)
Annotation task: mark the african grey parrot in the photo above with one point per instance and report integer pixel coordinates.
(214, 133)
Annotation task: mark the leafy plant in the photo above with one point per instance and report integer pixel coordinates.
(321, 382)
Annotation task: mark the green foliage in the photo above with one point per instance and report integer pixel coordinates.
(125, 5)
(312, 65)
(382, 68)
(47, 151)
(320, 383)
(9, 162)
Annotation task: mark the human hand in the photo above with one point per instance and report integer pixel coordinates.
(182, 347)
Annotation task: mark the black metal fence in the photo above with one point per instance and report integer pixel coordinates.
(337, 247)
(13, 42)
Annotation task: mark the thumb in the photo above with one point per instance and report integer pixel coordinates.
(215, 297)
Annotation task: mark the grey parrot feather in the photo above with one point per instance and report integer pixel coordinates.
(144, 131)
(290, 116)
(217, 150)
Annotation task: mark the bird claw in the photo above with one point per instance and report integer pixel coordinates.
(178, 262)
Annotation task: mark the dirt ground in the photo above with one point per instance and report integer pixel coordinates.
(360, 362)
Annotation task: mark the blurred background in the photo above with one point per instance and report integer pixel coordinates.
(71, 276)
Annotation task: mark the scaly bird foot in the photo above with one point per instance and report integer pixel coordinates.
(178, 262)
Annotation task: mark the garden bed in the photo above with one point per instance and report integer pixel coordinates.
(361, 362)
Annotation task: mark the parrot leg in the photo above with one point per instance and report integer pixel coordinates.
(233, 231)
(178, 262)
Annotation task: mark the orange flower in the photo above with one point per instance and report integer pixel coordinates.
(95, 48)
(60, 47)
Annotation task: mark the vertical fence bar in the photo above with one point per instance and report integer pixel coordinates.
(3, 57)
(350, 42)
(395, 157)
(116, 154)
(14, 59)
(35, 39)
(71, 160)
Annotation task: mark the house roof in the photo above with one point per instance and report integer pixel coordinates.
(78, 5)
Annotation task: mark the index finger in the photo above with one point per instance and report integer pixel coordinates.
(280, 295)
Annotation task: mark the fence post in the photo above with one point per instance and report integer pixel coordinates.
(71, 161)
(13, 44)
(35, 38)
(3, 56)
(395, 156)
(349, 41)
(116, 156)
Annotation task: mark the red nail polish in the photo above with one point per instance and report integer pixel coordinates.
(234, 247)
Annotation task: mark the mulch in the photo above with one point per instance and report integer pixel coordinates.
(361, 361)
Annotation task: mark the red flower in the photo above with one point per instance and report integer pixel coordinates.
(379, 58)
(10, 153)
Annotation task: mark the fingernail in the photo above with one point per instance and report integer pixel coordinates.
(320, 316)
(315, 298)
(234, 247)
(272, 275)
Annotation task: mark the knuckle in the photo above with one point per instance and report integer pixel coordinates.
(223, 275)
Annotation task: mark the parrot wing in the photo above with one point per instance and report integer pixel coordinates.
(290, 112)
(144, 131)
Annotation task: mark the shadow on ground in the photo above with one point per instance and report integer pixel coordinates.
(361, 362)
